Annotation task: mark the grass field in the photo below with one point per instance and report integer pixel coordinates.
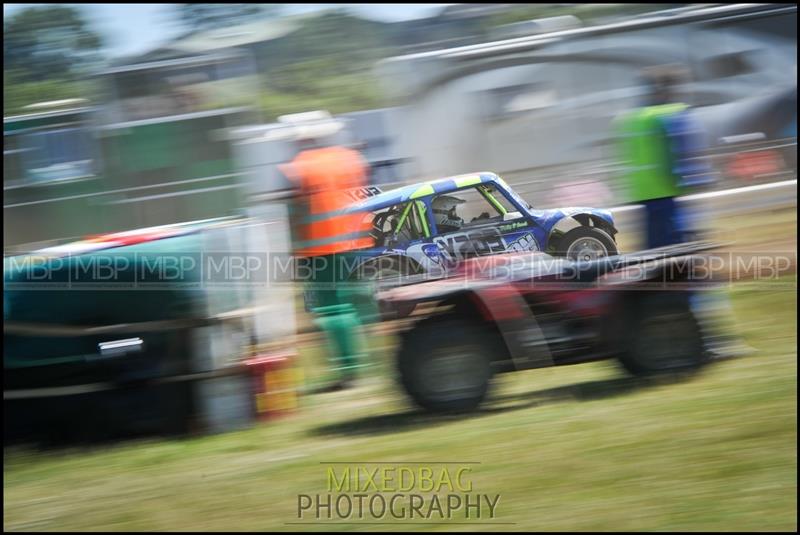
(574, 448)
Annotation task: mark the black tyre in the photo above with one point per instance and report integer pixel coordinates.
(664, 336)
(586, 243)
(445, 364)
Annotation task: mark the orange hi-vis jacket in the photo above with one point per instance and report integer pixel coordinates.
(323, 177)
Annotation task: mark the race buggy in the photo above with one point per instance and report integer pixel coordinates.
(520, 311)
(430, 227)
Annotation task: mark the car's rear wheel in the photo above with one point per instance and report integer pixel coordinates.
(586, 243)
(445, 364)
(664, 336)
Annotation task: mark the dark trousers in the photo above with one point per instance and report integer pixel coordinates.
(664, 222)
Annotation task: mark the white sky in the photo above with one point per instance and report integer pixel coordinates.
(135, 28)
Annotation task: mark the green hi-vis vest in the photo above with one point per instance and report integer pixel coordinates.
(645, 152)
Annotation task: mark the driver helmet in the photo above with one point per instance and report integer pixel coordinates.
(445, 213)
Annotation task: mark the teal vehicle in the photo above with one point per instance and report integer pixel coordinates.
(126, 229)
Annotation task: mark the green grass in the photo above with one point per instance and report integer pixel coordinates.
(574, 448)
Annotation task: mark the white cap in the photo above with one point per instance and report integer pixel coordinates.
(311, 124)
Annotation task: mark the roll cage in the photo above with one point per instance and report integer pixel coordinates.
(412, 218)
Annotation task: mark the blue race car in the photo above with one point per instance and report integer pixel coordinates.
(430, 226)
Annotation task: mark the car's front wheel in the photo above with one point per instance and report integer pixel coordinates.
(586, 243)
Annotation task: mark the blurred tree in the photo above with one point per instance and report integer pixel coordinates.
(200, 17)
(17, 93)
(47, 43)
(326, 64)
(587, 13)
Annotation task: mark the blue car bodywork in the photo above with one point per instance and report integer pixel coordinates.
(517, 226)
